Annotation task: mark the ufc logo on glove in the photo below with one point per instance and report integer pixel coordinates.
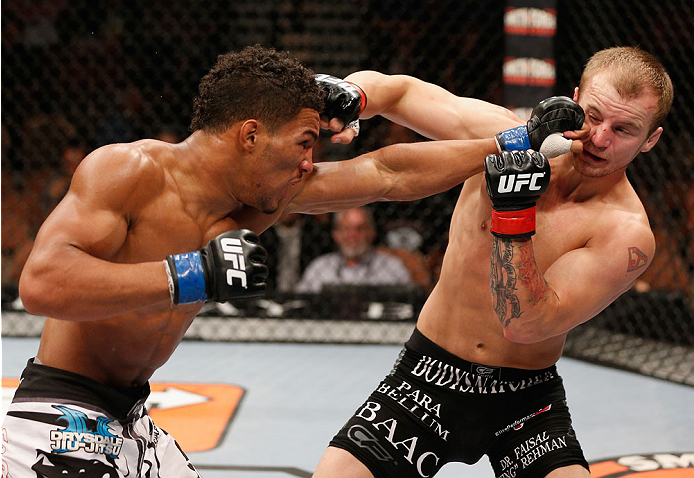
(231, 266)
(514, 182)
(233, 253)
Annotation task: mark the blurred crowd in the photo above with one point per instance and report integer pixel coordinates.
(81, 74)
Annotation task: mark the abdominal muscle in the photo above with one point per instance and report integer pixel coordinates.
(458, 315)
(122, 351)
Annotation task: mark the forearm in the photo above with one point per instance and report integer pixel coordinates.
(419, 170)
(79, 287)
(521, 297)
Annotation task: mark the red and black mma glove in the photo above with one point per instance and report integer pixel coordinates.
(515, 180)
(231, 266)
(344, 100)
(552, 115)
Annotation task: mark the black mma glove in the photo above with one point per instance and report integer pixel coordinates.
(515, 180)
(344, 100)
(553, 115)
(231, 266)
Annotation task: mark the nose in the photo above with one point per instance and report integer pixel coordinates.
(600, 136)
(306, 165)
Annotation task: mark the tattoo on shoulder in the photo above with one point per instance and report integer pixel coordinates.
(637, 259)
(502, 280)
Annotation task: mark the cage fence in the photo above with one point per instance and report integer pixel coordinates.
(77, 75)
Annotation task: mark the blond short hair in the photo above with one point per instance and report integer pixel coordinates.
(633, 70)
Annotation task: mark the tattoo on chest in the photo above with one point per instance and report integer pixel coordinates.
(502, 280)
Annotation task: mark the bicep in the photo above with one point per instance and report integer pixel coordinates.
(430, 110)
(589, 279)
(91, 218)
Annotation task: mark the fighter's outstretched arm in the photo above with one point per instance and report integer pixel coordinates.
(399, 172)
(429, 109)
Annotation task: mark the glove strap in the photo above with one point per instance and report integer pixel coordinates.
(188, 278)
(362, 94)
(513, 224)
(514, 139)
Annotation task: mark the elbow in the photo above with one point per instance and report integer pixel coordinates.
(524, 333)
(35, 294)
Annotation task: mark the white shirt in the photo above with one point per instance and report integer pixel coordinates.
(374, 268)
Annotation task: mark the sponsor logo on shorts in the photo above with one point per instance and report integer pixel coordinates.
(660, 465)
(365, 439)
(529, 451)
(78, 435)
(379, 423)
(518, 424)
(50, 465)
(445, 375)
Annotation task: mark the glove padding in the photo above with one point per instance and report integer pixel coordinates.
(344, 100)
(515, 180)
(553, 115)
(231, 266)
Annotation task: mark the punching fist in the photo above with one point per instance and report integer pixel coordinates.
(231, 266)
(515, 180)
(553, 115)
(344, 100)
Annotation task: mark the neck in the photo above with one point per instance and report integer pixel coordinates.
(205, 175)
(571, 184)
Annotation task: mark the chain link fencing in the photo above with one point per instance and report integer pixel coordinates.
(77, 75)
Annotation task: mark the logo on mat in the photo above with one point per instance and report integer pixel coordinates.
(657, 465)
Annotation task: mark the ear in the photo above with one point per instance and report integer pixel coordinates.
(576, 94)
(652, 139)
(248, 135)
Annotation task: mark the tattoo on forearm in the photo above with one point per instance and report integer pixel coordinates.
(530, 275)
(505, 276)
(637, 259)
(502, 280)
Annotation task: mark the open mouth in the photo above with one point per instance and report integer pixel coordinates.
(591, 157)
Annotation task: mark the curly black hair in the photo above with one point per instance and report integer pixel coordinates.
(256, 82)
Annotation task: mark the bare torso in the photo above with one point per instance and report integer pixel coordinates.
(459, 316)
(125, 350)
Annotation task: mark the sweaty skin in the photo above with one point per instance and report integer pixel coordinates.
(96, 269)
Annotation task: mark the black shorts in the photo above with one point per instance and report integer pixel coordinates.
(435, 408)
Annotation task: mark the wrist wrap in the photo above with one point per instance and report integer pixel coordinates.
(513, 224)
(188, 277)
(514, 139)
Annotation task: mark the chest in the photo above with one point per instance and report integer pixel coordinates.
(560, 227)
(167, 226)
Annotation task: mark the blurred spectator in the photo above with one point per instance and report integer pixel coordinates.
(357, 262)
(71, 157)
(17, 230)
(403, 240)
(667, 213)
(292, 243)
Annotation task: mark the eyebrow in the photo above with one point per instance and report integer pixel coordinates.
(312, 134)
(626, 123)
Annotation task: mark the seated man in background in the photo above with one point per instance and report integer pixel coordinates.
(356, 261)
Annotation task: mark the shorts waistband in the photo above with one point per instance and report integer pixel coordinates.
(43, 381)
(419, 343)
